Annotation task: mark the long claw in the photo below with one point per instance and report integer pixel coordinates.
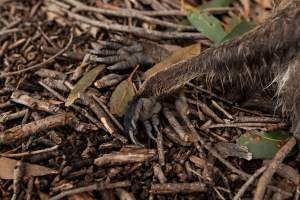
(133, 124)
(148, 128)
(133, 138)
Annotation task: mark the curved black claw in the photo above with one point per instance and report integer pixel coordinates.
(140, 109)
(122, 55)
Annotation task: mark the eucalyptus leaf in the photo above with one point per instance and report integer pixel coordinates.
(83, 84)
(208, 25)
(241, 28)
(121, 97)
(216, 4)
(263, 145)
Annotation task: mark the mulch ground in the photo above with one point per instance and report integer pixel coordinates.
(52, 151)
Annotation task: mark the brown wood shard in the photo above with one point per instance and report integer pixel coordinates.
(23, 131)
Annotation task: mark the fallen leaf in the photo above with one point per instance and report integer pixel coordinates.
(121, 97)
(216, 4)
(241, 28)
(83, 84)
(177, 56)
(231, 22)
(267, 4)
(186, 6)
(7, 166)
(263, 145)
(208, 25)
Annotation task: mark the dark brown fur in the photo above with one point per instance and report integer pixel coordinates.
(267, 55)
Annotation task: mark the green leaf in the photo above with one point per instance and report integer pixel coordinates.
(239, 29)
(121, 97)
(263, 145)
(209, 26)
(216, 4)
(83, 84)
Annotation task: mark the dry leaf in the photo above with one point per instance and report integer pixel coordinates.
(7, 166)
(267, 4)
(179, 55)
(120, 98)
(187, 6)
(83, 84)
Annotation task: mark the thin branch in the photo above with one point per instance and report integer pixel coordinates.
(126, 13)
(146, 33)
(30, 153)
(89, 188)
(272, 167)
(8, 31)
(248, 183)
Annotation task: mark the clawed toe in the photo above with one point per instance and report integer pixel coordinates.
(107, 59)
(141, 109)
(148, 128)
(120, 65)
(121, 55)
(133, 138)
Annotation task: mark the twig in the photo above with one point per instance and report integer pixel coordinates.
(77, 108)
(257, 119)
(206, 110)
(29, 153)
(249, 182)
(48, 61)
(213, 152)
(217, 106)
(23, 131)
(7, 31)
(210, 93)
(108, 113)
(133, 156)
(159, 174)
(272, 167)
(247, 124)
(127, 29)
(95, 186)
(136, 30)
(182, 135)
(167, 188)
(19, 171)
(126, 13)
(164, 13)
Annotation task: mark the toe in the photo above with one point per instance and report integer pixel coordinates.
(120, 66)
(148, 128)
(104, 52)
(133, 138)
(107, 59)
